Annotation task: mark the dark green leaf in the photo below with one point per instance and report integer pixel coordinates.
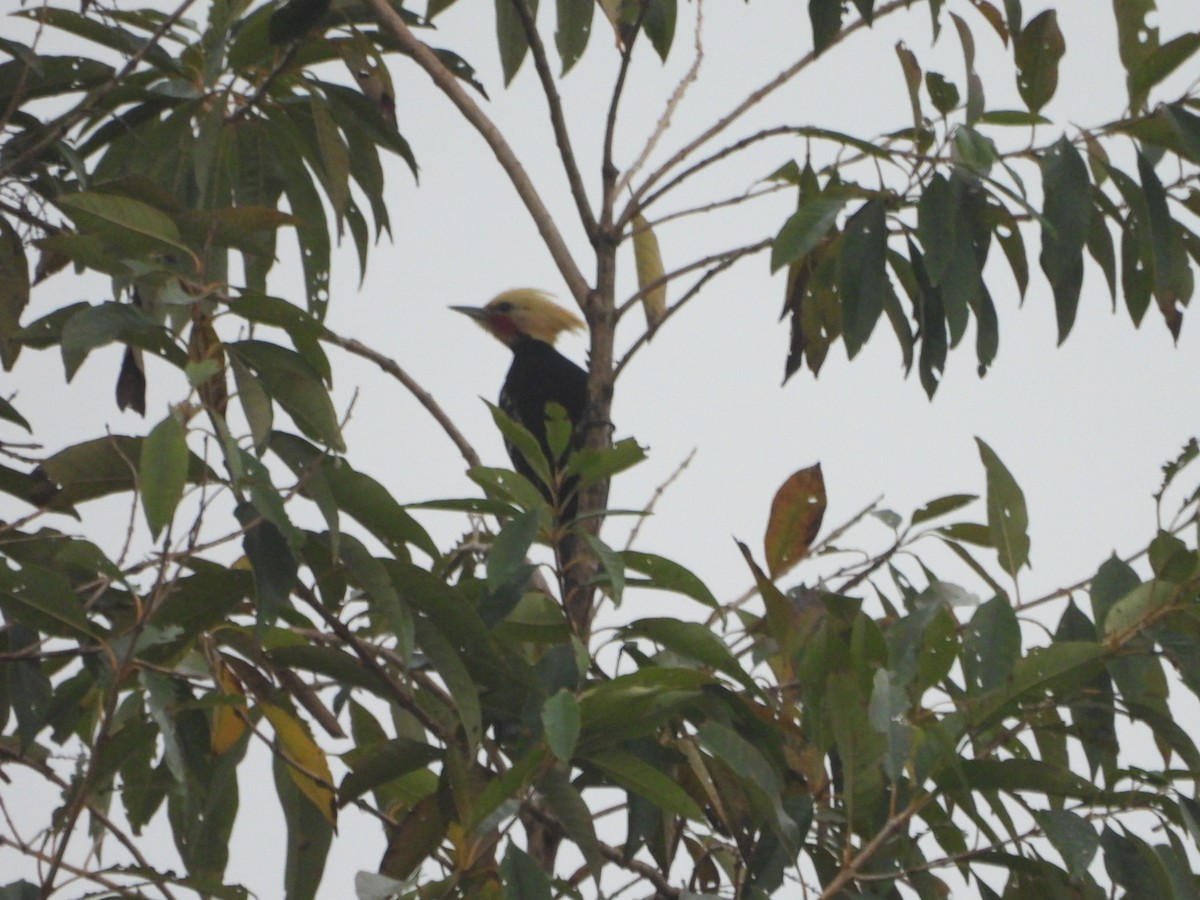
(1159, 64)
(942, 92)
(694, 641)
(942, 506)
(640, 777)
(862, 273)
(991, 645)
(659, 25)
(1164, 247)
(295, 385)
(523, 878)
(97, 326)
(1038, 47)
(1067, 212)
(372, 766)
(596, 465)
(826, 19)
(309, 835)
(573, 30)
(272, 561)
(667, 575)
(14, 291)
(510, 31)
(1130, 868)
(806, 228)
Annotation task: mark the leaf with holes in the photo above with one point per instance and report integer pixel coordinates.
(796, 514)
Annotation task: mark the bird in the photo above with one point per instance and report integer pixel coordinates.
(528, 322)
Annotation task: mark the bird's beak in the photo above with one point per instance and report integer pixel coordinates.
(478, 313)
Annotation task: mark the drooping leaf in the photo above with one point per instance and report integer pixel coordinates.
(510, 31)
(1067, 214)
(162, 472)
(826, 19)
(560, 723)
(806, 228)
(862, 274)
(294, 385)
(14, 291)
(796, 514)
(649, 264)
(1038, 47)
(574, 27)
(523, 878)
(272, 562)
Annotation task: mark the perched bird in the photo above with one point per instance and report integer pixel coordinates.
(528, 322)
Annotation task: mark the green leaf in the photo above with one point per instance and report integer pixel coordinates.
(104, 466)
(96, 326)
(1008, 520)
(272, 561)
(596, 465)
(640, 777)
(9, 413)
(1038, 47)
(1164, 248)
(862, 273)
(14, 291)
(309, 835)
(1158, 65)
(523, 878)
(29, 689)
(991, 645)
(295, 385)
(942, 92)
(1067, 212)
(659, 25)
(664, 574)
(1128, 866)
(560, 723)
(942, 506)
(511, 34)
(804, 229)
(373, 766)
(507, 558)
(517, 435)
(565, 802)
(694, 641)
(163, 472)
(129, 223)
(826, 19)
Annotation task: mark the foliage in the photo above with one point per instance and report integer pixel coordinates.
(882, 730)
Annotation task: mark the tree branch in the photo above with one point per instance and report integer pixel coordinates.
(562, 136)
(445, 80)
(757, 97)
(390, 366)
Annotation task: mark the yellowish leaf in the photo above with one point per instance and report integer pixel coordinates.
(649, 262)
(229, 722)
(308, 766)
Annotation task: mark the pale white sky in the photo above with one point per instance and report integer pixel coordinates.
(1083, 428)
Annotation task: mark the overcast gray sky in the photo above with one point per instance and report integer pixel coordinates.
(1083, 427)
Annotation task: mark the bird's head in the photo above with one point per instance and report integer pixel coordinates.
(523, 312)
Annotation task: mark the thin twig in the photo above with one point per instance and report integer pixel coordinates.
(351, 345)
(658, 492)
(722, 262)
(558, 121)
(676, 98)
(757, 96)
(449, 85)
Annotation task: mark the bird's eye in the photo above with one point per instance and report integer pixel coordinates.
(504, 307)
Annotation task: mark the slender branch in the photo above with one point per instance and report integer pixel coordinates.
(664, 121)
(719, 262)
(756, 97)
(893, 825)
(608, 168)
(59, 127)
(654, 498)
(444, 79)
(557, 121)
(390, 366)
